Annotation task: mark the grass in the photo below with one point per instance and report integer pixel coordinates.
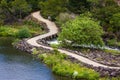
(7, 31)
(114, 52)
(108, 78)
(113, 42)
(12, 30)
(62, 66)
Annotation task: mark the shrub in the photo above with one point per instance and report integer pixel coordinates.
(35, 51)
(23, 33)
(81, 31)
(54, 45)
(112, 42)
(15, 42)
(32, 23)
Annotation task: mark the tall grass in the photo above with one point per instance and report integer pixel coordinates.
(7, 31)
(62, 66)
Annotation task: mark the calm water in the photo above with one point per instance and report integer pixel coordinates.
(18, 65)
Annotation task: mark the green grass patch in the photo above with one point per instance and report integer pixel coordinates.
(113, 42)
(7, 31)
(110, 78)
(14, 30)
(114, 52)
(62, 66)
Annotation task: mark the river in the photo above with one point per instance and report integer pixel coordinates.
(18, 65)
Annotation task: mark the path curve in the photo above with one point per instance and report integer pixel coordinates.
(54, 30)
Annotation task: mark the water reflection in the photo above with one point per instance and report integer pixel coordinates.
(18, 65)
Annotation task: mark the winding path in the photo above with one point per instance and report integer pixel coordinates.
(54, 30)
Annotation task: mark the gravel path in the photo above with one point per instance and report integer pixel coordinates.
(54, 30)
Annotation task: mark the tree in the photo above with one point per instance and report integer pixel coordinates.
(52, 8)
(104, 11)
(12, 10)
(5, 11)
(115, 23)
(34, 4)
(20, 7)
(78, 6)
(63, 18)
(81, 31)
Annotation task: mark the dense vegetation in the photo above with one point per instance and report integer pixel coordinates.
(25, 30)
(62, 66)
(97, 23)
(81, 31)
(107, 12)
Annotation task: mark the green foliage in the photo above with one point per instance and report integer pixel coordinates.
(34, 4)
(107, 12)
(63, 18)
(63, 67)
(112, 42)
(7, 31)
(23, 33)
(20, 7)
(115, 21)
(15, 42)
(109, 78)
(34, 27)
(12, 10)
(115, 24)
(52, 7)
(78, 6)
(114, 52)
(13, 30)
(5, 12)
(81, 31)
(35, 51)
(31, 23)
(54, 46)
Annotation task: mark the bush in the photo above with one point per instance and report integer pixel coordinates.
(66, 68)
(35, 51)
(112, 42)
(15, 42)
(81, 31)
(23, 33)
(31, 23)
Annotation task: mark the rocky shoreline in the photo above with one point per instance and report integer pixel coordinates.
(24, 46)
(100, 57)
